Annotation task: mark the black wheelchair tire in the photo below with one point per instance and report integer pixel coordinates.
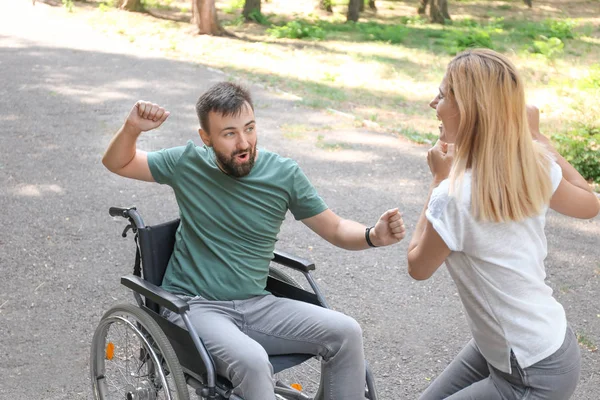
(152, 331)
(284, 277)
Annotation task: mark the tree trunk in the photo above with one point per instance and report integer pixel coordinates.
(529, 3)
(422, 6)
(372, 5)
(444, 8)
(324, 5)
(438, 11)
(131, 5)
(361, 6)
(249, 6)
(204, 16)
(353, 10)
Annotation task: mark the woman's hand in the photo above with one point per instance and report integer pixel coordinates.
(439, 159)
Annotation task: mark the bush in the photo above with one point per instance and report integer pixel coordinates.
(297, 30)
(562, 29)
(548, 47)
(456, 41)
(581, 148)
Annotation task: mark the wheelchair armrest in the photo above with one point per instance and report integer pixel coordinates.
(155, 293)
(292, 261)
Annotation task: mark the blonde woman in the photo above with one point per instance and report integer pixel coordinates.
(485, 216)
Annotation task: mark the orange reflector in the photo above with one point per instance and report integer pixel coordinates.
(110, 351)
(297, 386)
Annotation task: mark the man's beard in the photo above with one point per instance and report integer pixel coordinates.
(232, 168)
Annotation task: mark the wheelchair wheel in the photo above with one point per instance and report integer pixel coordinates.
(284, 277)
(131, 358)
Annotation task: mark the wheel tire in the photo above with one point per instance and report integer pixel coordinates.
(284, 277)
(154, 353)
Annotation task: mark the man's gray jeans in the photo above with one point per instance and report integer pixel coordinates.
(240, 334)
(470, 377)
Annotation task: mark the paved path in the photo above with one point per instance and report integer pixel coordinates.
(65, 89)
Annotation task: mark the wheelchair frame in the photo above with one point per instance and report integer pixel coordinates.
(154, 246)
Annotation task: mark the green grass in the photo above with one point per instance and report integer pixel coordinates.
(331, 146)
(586, 342)
(417, 136)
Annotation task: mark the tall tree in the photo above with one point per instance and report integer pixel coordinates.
(204, 16)
(249, 7)
(131, 5)
(438, 10)
(371, 5)
(353, 10)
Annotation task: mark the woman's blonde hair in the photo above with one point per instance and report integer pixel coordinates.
(510, 172)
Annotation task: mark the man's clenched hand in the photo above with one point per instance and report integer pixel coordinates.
(389, 229)
(145, 116)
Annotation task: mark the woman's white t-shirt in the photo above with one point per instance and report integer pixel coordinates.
(499, 271)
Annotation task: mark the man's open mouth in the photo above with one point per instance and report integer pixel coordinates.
(243, 157)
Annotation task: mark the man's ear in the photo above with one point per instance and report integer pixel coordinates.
(205, 137)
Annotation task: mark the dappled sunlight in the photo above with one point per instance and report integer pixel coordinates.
(9, 117)
(38, 190)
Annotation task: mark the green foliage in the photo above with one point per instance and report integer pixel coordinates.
(581, 148)
(233, 6)
(297, 30)
(562, 29)
(381, 32)
(592, 81)
(68, 4)
(414, 20)
(237, 21)
(548, 47)
(418, 137)
(465, 23)
(258, 17)
(456, 41)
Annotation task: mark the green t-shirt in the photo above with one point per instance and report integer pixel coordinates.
(229, 226)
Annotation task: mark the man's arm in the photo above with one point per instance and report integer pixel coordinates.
(122, 157)
(350, 235)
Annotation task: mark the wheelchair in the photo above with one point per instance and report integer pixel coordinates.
(137, 354)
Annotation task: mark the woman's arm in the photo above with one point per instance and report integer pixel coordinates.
(427, 251)
(574, 196)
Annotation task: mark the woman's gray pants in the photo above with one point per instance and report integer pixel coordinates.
(240, 334)
(470, 377)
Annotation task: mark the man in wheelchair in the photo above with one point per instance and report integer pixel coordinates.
(233, 199)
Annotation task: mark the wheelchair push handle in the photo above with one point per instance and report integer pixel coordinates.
(130, 213)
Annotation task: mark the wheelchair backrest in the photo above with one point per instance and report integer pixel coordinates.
(156, 246)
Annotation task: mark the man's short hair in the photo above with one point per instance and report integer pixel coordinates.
(225, 98)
